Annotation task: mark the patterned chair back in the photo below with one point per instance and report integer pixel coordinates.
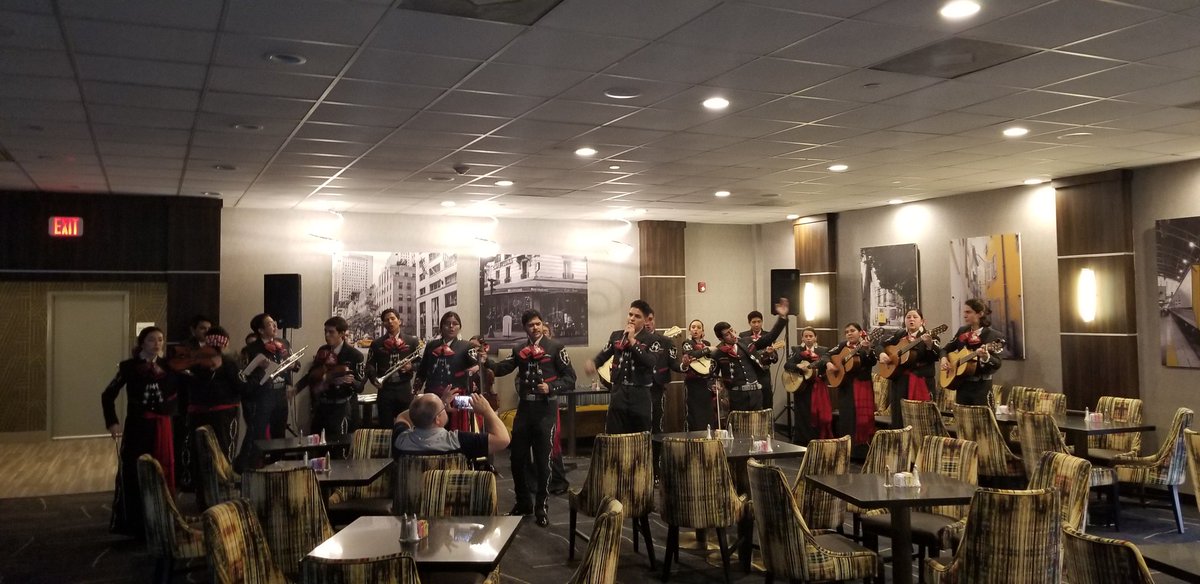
(454, 493)
(697, 486)
(822, 510)
(1011, 537)
(1192, 439)
(924, 418)
(1168, 466)
(289, 507)
(410, 476)
(217, 481)
(951, 457)
(1098, 560)
(889, 449)
(746, 424)
(620, 469)
(1071, 477)
(883, 402)
(599, 563)
(168, 534)
(1050, 403)
(1119, 409)
(996, 396)
(370, 443)
(1039, 434)
(237, 549)
(1023, 398)
(978, 424)
(398, 568)
(947, 399)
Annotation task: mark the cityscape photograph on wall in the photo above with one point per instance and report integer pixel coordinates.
(989, 268)
(555, 285)
(891, 284)
(420, 286)
(1178, 244)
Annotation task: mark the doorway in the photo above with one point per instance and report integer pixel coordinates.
(88, 336)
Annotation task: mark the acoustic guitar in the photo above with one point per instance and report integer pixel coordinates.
(605, 369)
(901, 352)
(793, 381)
(963, 363)
(847, 359)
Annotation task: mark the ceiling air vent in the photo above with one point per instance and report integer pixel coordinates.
(953, 58)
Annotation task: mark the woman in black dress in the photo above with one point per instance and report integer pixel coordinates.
(973, 390)
(814, 412)
(856, 395)
(914, 379)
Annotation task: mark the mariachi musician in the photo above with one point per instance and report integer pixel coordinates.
(814, 412)
(697, 384)
(446, 369)
(215, 389)
(334, 378)
(973, 391)
(179, 359)
(856, 394)
(265, 405)
(666, 357)
(763, 358)
(915, 379)
(395, 391)
(733, 365)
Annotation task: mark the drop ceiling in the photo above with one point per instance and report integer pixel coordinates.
(179, 98)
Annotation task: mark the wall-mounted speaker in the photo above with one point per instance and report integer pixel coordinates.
(281, 299)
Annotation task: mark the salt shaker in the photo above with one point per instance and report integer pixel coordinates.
(414, 529)
(887, 475)
(709, 432)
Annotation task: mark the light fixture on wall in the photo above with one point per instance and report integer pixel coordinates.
(1086, 295)
(619, 250)
(810, 301)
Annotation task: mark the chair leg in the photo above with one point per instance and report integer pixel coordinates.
(672, 548)
(161, 572)
(1174, 489)
(645, 521)
(635, 534)
(1115, 496)
(571, 535)
(857, 526)
(724, 552)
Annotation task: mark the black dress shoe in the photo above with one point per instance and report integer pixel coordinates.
(542, 517)
(520, 510)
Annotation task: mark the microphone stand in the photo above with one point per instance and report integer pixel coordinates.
(290, 396)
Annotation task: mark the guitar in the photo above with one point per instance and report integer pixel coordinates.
(702, 365)
(899, 353)
(767, 355)
(963, 363)
(605, 369)
(846, 359)
(793, 381)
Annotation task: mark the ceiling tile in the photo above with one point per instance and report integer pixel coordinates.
(1040, 69)
(15, 61)
(649, 92)
(250, 52)
(1054, 24)
(865, 85)
(659, 119)
(29, 87)
(454, 123)
(313, 20)
(678, 63)
(799, 109)
(1120, 80)
(879, 116)
(1097, 112)
(1188, 60)
(523, 80)
(440, 34)
(746, 28)
(612, 135)
(253, 105)
(351, 91)
(476, 102)
(324, 131)
(695, 141)
(778, 75)
(1178, 93)
(361, 115)
(1166, 118)
(924, 14)
(842, 44)
(949, 95)
(816, 134)
(30, 31)
(580, 112)
(140, 71)
(634, 18)
(1026, 104)
(140, 42)
(141, 96)
(396, 67)
(200, 14)
(950, 123)
(1148, 39)
(252, 142)
(566, 50)
(742, 127)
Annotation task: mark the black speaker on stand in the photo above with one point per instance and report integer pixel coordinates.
(281, 299)
(785, 283)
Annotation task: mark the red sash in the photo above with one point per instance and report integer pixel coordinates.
(556, 449)
(864, 411)
(822, 410)
(199, 409)
(917, 388)
(164, 446)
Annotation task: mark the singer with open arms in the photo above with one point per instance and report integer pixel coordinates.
(733, 364)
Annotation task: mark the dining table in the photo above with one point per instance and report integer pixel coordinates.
(1178, 560)
(452, 544)
(276, 448)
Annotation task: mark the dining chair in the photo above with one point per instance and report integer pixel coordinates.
(746, 424)
(1011, 537)
(345, 504)
(454, 493)
(1050, 403)
(1088, 559)
(410, 477)
(289, 507)
(237, 549)
(1069, 475)
(1039, 435)
(621, 470)
(599, 563)
(998, 466)
(996, 396)
(172, 539)
(1164, 468)
(1191, 439)
(924, 418)
(1117, 409)
(1021, 397)
(881, 386)
(698, 493)
(822, 510)
(790, 550)
(947, 400)
(938, 527)
(891, 450)
(217, 481)
(399, 568)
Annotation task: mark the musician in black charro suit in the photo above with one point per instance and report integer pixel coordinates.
(630, 408)
(814, 411)
(762, 358)
(733, 365)
(699, 386)
(973, 390)
(915, 379)
(395, 392)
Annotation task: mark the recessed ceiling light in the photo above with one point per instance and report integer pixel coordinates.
(1015, 131)
(328, 194)
(1034, 181)
(622, 93)
(224, 167)
(839, 168)
(959, 9)
(585, 151)
(615, 167)
(1073, 135)
(716, 103)
(721, 193)
(286, 58)
(895, 202)
(448, 203)
(247, 127)
(440, 178)
(211, 193)
(504, 183)
(793, 216)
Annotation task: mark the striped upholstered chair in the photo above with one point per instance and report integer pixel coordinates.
(1117, 409)
(890, 450)
(410, 477)
(237, 550)
(698, 492)
(170, 537)
(1024, 398)
(217, 482)
(745, 424)
(924, 418)
(1069, 475)
(289, 507)
(822, 510)
(940, 527)
(1096, 560)
(998, 466)
(452, 493)
(599, 564)
(1048, 402)
(620, 470)
(398, 568)
(790, 550)
(1012, 537)
(1192, 441)
(1039, 435)
(346, 504)
(881, 387)
(1164, 468)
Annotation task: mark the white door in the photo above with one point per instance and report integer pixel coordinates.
(89, 335)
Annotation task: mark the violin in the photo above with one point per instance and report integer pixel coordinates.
(185, 358)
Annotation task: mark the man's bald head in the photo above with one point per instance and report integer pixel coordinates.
(425, 409)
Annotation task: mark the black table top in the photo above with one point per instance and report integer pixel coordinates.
(454, 544)
(1070, 423)
(867, 490)
(739, 447)
(1179, 560)
(345, 473)
(285, 445)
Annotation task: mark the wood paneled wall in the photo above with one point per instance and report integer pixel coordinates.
(1095, 230)
(663, 284)
(816, 245)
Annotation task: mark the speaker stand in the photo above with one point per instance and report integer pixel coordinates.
(290, 396)
(789, 401)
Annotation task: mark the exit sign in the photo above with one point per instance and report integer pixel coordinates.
(66, 226)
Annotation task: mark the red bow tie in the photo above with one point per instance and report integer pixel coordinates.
(443, 351)
(531, 352)
(273, 347)
(731, 350)
(393, 343)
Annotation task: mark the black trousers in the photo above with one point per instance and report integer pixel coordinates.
(768, 392)
(745, 401)
(629, 410)
(973, 392)
(658, 402)
(331, 418)
(699, 404)
(259, 412)
(277, 419)
(804, 431)
(532, 441)
(392, 400)
(138, 438)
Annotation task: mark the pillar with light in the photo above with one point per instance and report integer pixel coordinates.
(1086, 295)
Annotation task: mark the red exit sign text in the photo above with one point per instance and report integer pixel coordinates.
(66, 226)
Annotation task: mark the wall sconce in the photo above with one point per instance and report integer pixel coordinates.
(1086, 295)
(619, 250)
(810, 301)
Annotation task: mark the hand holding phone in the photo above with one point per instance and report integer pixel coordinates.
(462, 402)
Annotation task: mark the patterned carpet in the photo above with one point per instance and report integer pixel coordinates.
(65, 539)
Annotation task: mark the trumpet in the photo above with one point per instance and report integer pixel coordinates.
(405, 361)
(285, 365)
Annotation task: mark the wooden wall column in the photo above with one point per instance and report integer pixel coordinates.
(1095, 231)
(816, 249)
(663, 281)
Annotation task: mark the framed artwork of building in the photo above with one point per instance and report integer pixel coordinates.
(891, 284)
(989, 268)
(1178, 274)
(420, 286)
(555, 285)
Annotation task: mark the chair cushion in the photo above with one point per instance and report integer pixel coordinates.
(1104, 455)
(926, 527)
(839, 544)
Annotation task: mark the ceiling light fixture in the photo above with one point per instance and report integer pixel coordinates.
(895, 201)
(1015, 131)
(615, 167)
(839, 168)
(1034, 181)
(247, 127)
(716, 103)
(793, 216)
(448, 203)
(224, 167)
(585, 151)
(722, 194)
(439, 178)
(211, 193)
(286, 58)
(959, 9)
(622, 93)
(504, 183)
